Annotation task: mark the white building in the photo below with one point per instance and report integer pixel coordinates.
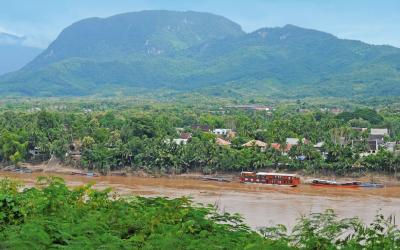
(380, 131)
(222, 131)
(292, 141)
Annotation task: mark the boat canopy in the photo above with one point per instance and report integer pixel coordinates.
(276, 174)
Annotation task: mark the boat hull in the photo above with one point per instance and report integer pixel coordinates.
(335, 185)
(270, 184)
(372, 185)
(326, 183)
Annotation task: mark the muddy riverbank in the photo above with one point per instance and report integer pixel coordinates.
(260, 205)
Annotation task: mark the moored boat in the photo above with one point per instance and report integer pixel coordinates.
(326, 183)
(89, 174)
(217, 178)
(270, 178)
(371, 185)
(349, 184)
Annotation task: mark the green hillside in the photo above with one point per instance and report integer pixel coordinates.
(204, 53)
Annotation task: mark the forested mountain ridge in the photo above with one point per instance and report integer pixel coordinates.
(143, 33)
(172, 51)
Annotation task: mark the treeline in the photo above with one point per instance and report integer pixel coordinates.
(141, 139)
(52, 216)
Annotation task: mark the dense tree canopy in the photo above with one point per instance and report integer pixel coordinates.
(141, 139)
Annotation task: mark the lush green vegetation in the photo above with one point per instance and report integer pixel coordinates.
(139, 138)
(51, 216)
(168, 52)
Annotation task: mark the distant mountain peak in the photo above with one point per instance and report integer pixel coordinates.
(150, 32)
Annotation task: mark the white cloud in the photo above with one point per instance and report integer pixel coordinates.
(13, 38)
(8, 38)
(4, 30)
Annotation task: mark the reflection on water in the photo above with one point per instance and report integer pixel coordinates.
(259, 204)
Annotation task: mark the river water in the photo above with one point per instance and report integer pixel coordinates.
(259, 204)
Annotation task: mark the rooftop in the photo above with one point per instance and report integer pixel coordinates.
(379, 131)
(255, 143)
(276, 174)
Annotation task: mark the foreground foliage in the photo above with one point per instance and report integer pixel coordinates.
(51, 216)
(54, 217)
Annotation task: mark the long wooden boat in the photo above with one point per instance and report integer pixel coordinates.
(371, 185)
(326, 183)
(291, 180)
(89, 174)
(217, 178)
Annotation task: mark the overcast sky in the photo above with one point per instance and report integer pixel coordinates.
(372, 21)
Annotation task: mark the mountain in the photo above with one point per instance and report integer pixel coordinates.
(14, 54)
(136, 34)
(169, 51)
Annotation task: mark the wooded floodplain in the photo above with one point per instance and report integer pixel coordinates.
(142, 137)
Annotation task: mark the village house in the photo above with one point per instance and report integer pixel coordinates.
(222, 131)
(292, 141)
(222, 142)
(185, 135)
(256, 143)
(231, 135)
(295, 141)
(320, 147)
(378, 134)
(278, 147)
(372, 146)
(391, 146)
(359, 129)
(379, 131)
(289, 143)
(204, 128)
(376, 139)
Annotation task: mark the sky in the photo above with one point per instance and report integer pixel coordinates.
(371, 21)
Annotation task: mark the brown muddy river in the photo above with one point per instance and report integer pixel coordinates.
(260, 205)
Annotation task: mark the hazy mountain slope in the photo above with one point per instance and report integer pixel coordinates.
(13, 54)
(190, 51)
(151, 33)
